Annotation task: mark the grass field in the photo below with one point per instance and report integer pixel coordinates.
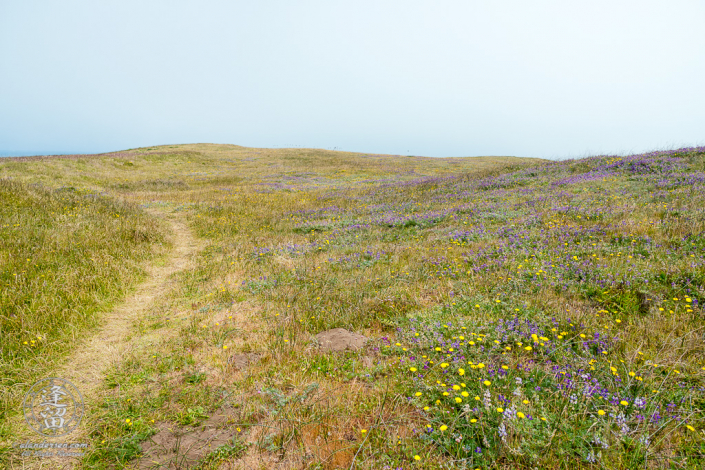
(521, 313)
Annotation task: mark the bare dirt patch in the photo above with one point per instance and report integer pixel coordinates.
(340, 339)
(177, 447)
(241, 361)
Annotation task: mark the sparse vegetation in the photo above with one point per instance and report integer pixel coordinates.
(521, 314)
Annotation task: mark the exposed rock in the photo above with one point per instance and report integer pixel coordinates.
(340, 339)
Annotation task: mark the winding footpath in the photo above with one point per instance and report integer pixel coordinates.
(87, 366)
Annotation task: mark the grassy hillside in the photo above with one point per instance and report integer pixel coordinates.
(521, 313)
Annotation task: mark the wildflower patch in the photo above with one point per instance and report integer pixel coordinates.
(506, 388)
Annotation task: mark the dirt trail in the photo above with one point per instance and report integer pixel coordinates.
(87, 366)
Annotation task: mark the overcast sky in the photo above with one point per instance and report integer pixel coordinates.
(550, 79)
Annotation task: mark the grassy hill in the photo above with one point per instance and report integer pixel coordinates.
(521, 313)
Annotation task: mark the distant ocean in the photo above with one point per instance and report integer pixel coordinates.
(32, 154)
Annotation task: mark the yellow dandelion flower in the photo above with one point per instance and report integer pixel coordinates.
(624, 403)
(521, 415)
(487, 383)
(500, 410)
(601, 412)
(443, 428)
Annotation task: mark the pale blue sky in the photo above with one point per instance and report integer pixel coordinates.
(551, 79)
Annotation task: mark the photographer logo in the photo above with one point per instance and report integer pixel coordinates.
(53, 407)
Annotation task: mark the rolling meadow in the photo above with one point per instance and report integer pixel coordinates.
(520, 313)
